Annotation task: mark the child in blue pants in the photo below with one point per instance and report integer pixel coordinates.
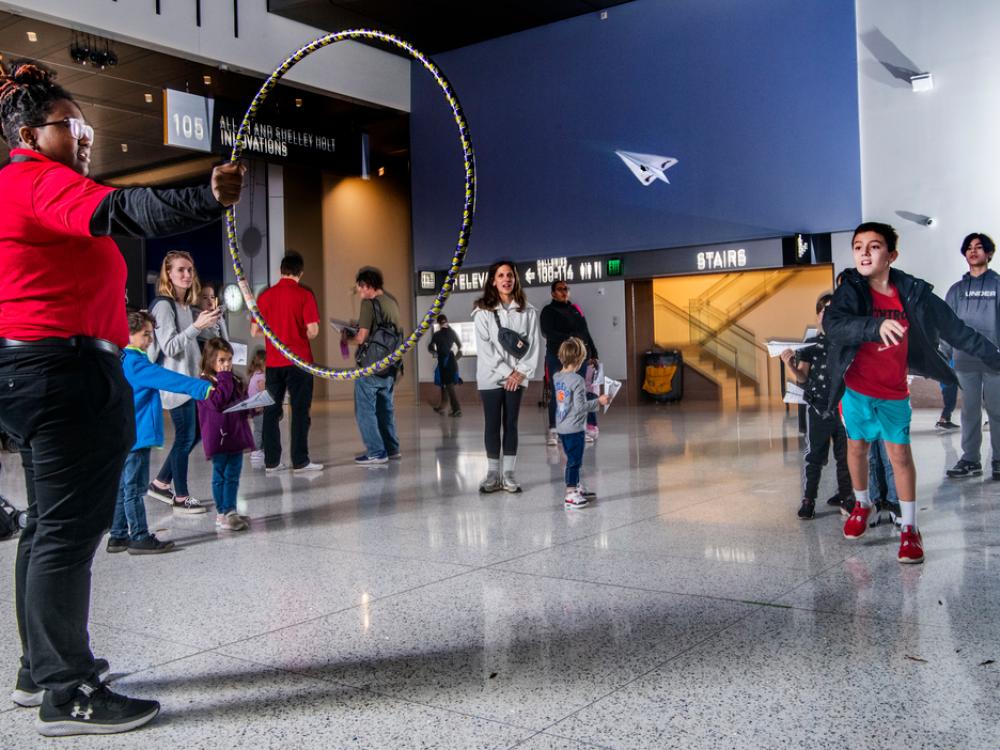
(129, 530)
(572, 407)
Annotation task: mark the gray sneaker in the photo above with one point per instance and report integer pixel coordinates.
(492, 483)
(509, 483)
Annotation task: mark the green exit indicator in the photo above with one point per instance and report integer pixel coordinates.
(614, 266)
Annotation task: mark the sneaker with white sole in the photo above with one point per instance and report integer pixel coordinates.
(509, 483)
(29, 695)
(189, 505)
(575, 500)
(372, 460)
(311, 466)
(492, 483)
(275, 469)
(93, 709)
(257, 459)
(586, 492)
(164, 495)
(231, 521)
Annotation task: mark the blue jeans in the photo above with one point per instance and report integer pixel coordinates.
(374, 414)
(880, 475)
(553, 365)
(573, 446)
(130, 508)
(175, 467)
(226, 468)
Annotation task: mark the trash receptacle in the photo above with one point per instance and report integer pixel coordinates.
(663, 375)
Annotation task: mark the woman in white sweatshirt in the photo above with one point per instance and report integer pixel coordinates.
(500, 375)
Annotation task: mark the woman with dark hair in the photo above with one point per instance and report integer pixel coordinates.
(181, 330)
(507, 343)
(64, 398)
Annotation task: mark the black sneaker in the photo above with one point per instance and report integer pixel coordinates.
(117, 544)
(29, 695)
(164, 496)
(946, 424)
(835, 501)
(149, 546)
(995, 465)
(93, 709)
(965, 469)
(807, 510)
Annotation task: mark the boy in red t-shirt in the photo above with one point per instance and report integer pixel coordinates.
(881, 324)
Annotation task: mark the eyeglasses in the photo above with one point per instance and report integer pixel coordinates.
(78, 129)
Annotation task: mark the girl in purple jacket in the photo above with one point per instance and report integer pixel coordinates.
(225, 436)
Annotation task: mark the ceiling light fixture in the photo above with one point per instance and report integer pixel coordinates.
(298, 102)
(32, 36)
(148, 97)
(124, 148)
(207, 79)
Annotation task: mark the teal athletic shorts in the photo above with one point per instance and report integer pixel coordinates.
(871, 419)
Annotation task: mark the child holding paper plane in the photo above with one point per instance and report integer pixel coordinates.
(225, 434)
(808, 365)
(572, 407)
(129, 530)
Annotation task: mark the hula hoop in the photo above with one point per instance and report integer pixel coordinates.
(467, 211)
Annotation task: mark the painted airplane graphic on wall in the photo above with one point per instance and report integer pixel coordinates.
(647, 167)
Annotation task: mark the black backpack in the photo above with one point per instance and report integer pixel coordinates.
(383, 340)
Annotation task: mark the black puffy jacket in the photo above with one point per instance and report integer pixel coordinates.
(848, 323)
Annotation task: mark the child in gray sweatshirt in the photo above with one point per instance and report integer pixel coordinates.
(572, 407)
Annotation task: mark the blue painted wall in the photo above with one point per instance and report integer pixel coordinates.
(757, 100)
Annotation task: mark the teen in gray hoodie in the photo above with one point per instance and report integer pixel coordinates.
(976, 300)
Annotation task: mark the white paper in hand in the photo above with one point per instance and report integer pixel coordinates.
(775, 346)
(611, 388)
(794, 394)
(239, 353)
(259, 401)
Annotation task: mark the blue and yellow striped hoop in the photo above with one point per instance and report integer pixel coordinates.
(467, 211)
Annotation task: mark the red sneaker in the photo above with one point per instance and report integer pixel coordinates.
(857, 523)
(911, 546)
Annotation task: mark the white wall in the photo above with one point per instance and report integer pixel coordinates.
(935, 153)
(347, 68)
(602, 304)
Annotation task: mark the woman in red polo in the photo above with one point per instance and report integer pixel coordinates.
(63, 397)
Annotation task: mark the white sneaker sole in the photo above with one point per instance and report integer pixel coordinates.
(162, 498)
(33, 700)
(73, 727)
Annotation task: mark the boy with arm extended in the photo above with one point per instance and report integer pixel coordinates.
(129, 531)
(881, 323)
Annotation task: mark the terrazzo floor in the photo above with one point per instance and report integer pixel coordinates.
(394, 607)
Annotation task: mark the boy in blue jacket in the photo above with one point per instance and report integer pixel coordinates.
(129, 530)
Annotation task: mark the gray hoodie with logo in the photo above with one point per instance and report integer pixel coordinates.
(976, 300)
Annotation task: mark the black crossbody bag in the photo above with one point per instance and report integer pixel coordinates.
(511, 341)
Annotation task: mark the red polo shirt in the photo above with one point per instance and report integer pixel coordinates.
(288, 308)
(56, 280)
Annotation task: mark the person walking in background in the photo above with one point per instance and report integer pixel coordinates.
(67, 403)
(179, 325)
(378, 335)
(256, 374)
(976, 300)
(507, 342)
(561, 319)
(225, 436)
(447, 347)
(291, 311)
(210, 298)
(129, 530)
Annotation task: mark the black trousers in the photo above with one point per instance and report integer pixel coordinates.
(448, 392)
(820, 433)
(501, 407)
(71, 413)
(299, 385)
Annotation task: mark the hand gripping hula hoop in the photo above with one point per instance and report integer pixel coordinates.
(463, 233)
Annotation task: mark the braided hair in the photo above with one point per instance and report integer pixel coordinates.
(27, 94)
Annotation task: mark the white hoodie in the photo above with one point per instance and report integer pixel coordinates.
(493, 364)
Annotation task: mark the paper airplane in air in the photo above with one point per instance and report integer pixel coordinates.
(647, 167)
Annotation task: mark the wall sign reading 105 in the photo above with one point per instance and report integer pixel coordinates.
(186, 120)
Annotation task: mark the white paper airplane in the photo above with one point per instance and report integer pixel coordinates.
(647, 167)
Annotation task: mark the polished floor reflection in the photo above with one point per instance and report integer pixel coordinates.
(395, 607)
